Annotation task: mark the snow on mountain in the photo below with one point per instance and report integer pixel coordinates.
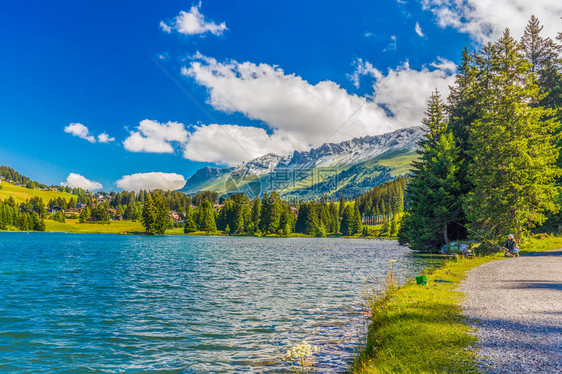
(347, 153)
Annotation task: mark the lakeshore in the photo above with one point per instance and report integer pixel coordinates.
(422, 328)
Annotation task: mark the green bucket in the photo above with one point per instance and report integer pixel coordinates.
(421, 279)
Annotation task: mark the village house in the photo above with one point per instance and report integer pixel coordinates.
(71, 211)
(53, 210)
(174, 215)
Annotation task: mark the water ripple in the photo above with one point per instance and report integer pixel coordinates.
(185, 304)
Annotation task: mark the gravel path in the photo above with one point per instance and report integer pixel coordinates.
(517, 307)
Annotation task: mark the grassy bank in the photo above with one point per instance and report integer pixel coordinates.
(73, 226)
(420, 329)
(21, 194)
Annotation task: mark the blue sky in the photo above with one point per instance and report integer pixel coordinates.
(178, 85)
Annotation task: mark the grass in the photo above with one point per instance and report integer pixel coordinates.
(73, 226)
(21, 194)
(115, 227)
(420, 329)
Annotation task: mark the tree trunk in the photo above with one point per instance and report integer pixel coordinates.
(445, 234)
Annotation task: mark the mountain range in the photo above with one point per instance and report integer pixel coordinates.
(350, 168)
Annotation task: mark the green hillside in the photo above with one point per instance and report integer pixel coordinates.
(349, 180)
(21, 194)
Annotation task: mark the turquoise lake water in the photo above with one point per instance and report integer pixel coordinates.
(79, 303)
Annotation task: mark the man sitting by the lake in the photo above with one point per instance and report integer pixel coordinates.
(511, 249)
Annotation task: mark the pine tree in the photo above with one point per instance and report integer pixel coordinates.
(347, 221)
(271, 212)
(256, 213)
(342, 206)
(539, 51)
(284, 221)
(307, 220)
(237, 218)
(224, 215)
(393, 227)
(335, 227)
(434, 189)
(463, 108)
(190, 225)
(84, 215)
(357, 225)
(206, 217)
(130, 211)
(149, 216)
(3, 223)
(513, 148)
(161, 218)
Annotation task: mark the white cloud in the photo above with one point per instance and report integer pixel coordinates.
(485, 20)
(104, 138)
(363, 68)
(193, 23)
(419, 30)
(165, 27)
(163, 56)
(405, 91)
(151, 181)
(77, 181)
(285, 102)
(237, 144)
(300, 115)
(81, 131)
(393, 44)
(154, 137)
(297, 114)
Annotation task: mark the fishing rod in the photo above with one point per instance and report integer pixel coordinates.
(474, 232)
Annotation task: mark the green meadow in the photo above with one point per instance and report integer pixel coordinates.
(21, 194)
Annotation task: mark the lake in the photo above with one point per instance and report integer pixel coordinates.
(81, 303)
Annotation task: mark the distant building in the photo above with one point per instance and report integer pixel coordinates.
(174, 215)
(70, 212)
(53, 209)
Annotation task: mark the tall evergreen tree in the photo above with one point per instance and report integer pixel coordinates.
(206, 217)
(190, 225)
(334, 212)
(161, 218)
(256, 213)
(434, 189)
(307, 220)
(284, 221)
(357, 225)
(347, 222)
(513, 148)
(271, 212)
(149, 215)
